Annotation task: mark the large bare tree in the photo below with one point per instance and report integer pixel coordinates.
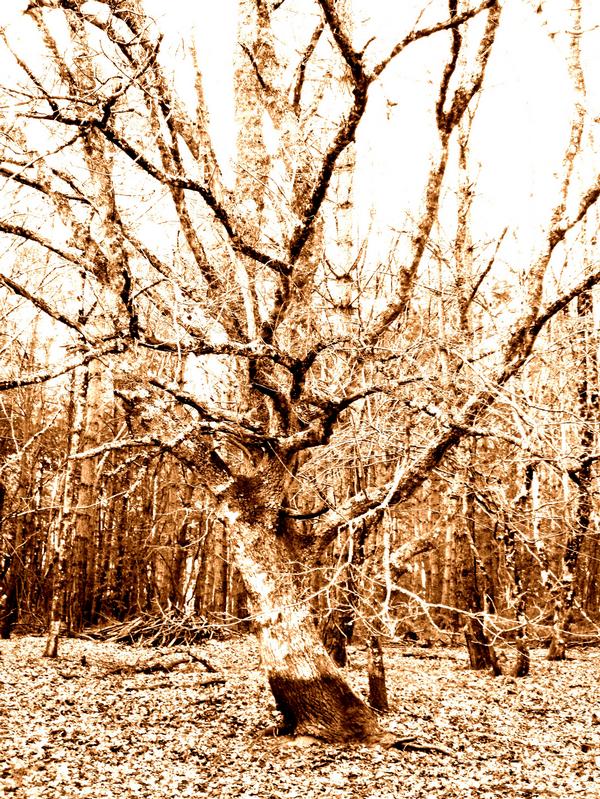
(244, 327)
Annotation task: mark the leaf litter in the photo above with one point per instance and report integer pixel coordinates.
(103, 721)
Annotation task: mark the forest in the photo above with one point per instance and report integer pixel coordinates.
(319, 365)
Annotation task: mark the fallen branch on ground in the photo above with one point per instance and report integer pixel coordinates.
(168, 628)
(166, 663)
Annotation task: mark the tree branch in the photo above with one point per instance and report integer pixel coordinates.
(422, 33)
(517, 348)
(49, 374)
(44, 306)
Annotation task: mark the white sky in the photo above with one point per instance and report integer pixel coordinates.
(522, 123)
(214, 25)
(10, 10)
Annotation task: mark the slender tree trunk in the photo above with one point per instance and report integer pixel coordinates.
(334, 634)
(237, 601)
(22, 500)
(65, 526)
(337, 627)
(589, 407)
(337, 618)
(468, 593)
(219, 588)
(378, 698)
(11, 576)
(517, 600)
(98, 399)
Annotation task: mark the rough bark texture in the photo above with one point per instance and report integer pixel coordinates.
(309, 690)
(323, 706)
(65, 526)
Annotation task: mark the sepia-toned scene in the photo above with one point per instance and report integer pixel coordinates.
(300, 399)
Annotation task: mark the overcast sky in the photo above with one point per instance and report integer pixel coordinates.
(523, 122)
(524, 116)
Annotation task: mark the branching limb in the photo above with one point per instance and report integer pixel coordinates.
(222, 418)
(422, 33)
(43, 376)
(349, 54)
(37, 301)
(516, 350)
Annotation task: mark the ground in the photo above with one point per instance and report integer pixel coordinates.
(82, 726)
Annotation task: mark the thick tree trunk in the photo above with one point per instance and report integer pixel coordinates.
(310, 691)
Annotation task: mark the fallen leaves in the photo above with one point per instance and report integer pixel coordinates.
(92, 724)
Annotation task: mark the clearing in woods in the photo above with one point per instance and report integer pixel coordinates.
(94, 724)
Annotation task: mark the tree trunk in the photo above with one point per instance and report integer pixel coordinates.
(337, 627)
(65, 523)
(589, 404)
(334, 634)
(310, 691)
(9, 577)
(378, 699)
(468, 594)
(337, 615)
(98, 400)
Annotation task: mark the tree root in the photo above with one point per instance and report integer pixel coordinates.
(412, 744)
(387, 740)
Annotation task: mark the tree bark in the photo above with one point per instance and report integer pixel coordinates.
(65, 524)
(468, 593)
(589, 404)
(310, 692)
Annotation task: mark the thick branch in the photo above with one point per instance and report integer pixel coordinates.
(552, 308)
(516, 351)
(319, 431)
(44, 306)
(344, 136)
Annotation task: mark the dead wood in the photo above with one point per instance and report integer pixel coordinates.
(166, 628)
(387, 740)
(166, 663)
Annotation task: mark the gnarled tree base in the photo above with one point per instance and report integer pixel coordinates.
(326, 709)
(323, 707)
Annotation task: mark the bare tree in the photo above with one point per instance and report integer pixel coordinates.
(228, 336)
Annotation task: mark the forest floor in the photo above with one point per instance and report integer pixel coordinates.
(88, 725)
